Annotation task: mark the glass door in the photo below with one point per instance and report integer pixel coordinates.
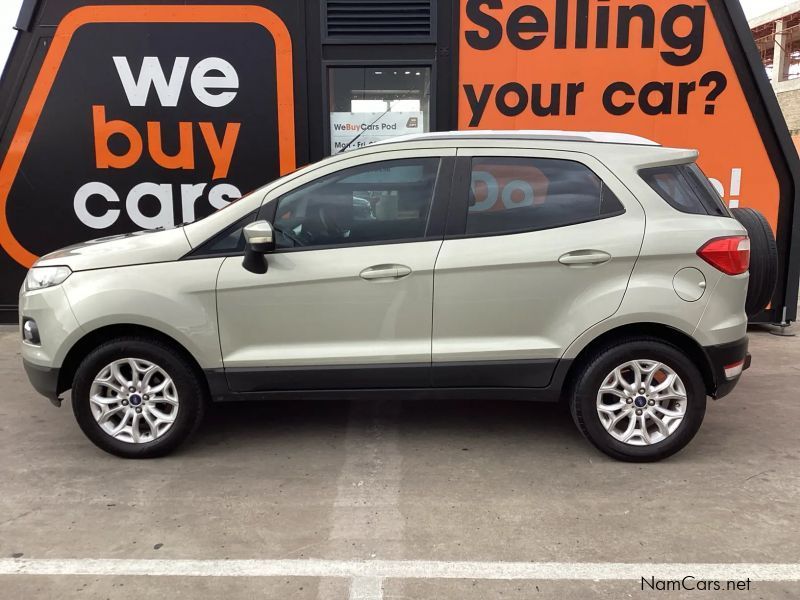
(370, 104)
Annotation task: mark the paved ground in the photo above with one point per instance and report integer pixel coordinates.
(476, 481)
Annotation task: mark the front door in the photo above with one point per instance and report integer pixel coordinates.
(346, 301)
(540, 247)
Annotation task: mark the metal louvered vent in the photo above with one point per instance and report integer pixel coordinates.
(378, 19)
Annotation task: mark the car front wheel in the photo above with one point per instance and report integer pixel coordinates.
(640, 400)
(137, 398)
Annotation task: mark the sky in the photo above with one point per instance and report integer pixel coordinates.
(9, 9)
(754, 8)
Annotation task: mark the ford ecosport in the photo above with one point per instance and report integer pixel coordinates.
(601, 270)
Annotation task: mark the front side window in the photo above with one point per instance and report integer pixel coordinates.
(229, 241)
(376, 203)
(511, 195)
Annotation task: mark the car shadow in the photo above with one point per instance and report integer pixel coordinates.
(237, 424)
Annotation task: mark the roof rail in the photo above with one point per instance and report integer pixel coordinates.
(602, 137)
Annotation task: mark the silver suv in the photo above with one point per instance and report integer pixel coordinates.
(601, 270)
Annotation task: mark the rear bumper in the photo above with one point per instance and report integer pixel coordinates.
(44, 380)
(725, 356)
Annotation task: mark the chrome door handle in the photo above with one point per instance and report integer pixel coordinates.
(385, 272)
(584, 258)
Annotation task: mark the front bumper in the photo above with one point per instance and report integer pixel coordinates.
(57, 331)
(725, 355)
(44, 380)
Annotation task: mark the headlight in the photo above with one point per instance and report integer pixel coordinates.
(44, 277)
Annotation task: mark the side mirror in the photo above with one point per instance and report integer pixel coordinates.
(259, 239)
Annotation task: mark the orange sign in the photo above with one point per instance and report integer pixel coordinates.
(649, 67)
(219, 144)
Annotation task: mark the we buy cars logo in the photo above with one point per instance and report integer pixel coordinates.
(145, 117)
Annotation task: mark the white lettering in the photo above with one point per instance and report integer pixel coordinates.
(202, 82)
(163, 193)
(151, 74)
(190, 194)
(95, 188)
(222, 194)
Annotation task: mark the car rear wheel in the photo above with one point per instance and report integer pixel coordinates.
(640, 400)
(137, 398)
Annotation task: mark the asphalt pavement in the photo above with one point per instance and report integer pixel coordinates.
(379, 499)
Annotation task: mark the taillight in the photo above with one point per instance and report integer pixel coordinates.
(731, 255)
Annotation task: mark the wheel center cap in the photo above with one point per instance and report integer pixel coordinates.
(640, 402)
(135, 399)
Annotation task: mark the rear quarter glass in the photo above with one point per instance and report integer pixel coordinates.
(686, 188)
(708, 193)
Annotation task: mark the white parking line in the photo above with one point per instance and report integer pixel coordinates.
(366, 509)
(366, 588)
(399, 569)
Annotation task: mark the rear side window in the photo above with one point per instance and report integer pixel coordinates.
(514, 195)
(686, 188)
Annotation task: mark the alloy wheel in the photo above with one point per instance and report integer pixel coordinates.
(134, 400)
(642, 402)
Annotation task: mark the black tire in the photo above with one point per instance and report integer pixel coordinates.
(590, 378)
(763, 259)
(192, 395)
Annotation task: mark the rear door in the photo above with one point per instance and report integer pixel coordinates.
(540, 246)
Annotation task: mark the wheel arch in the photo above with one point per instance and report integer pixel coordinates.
(669, 334)
(94, 338)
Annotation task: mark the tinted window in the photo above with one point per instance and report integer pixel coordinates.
(380, 202)
(709, 196)
(527, 194)
(229, 241)
(686, 188)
